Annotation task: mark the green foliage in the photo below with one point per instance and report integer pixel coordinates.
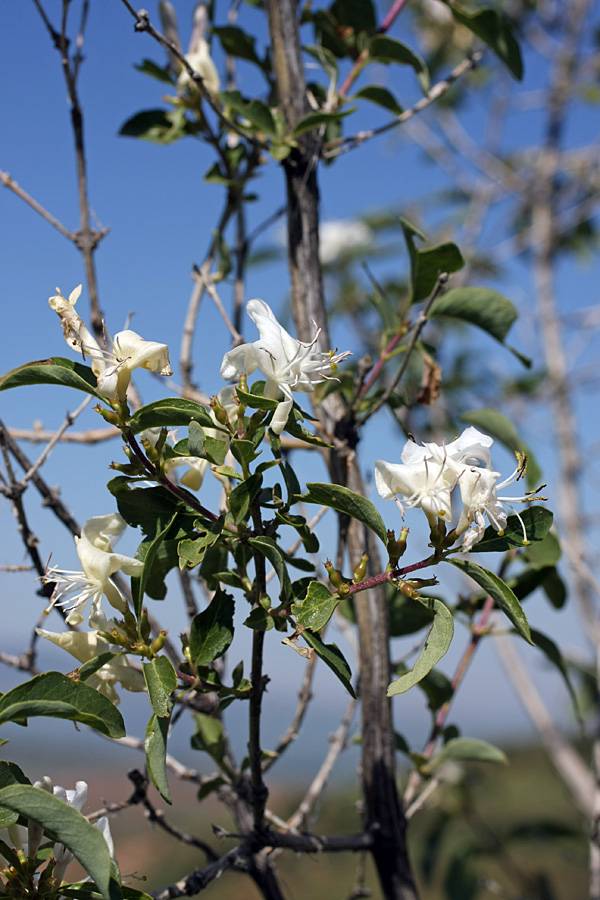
(384, 49)
(380, 96)
(10, 773)
(317, 607)
(537, 521)
(155, 746)
(436, 646)
(465, 749)
(170, 412)
(346, 502)
(501, 593)
(56, 371)
(427, 265)
(211, 631)
(55, 695)
(67, 826)
(494, 29)
(332, 656)
(161, 681)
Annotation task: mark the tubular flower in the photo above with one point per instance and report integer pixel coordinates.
(112, 367)
(429, 473)
(99, 562)
(287, 364)
(87, 645)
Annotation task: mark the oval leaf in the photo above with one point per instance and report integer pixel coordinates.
(317, 607)
(269, 548)
(333, 657)
(537, 521)
(379, 95)
(388, 50)
(467, 749)
(161, 681)
(436, 646)
(56, 370)
(67, 825)
(346, 501)
(55, 695)
(172, 411)
(211, 631)
(503, 596)
(155, 745)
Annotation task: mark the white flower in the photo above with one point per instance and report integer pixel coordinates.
(201, 62)
(287, 364)
(77, 800)
(339, 237)
(99, 562)
(112, 367)
(423, 483)
(87, 645)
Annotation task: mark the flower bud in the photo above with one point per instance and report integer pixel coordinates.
(158, 642)
(361, 569)
(396, 548)
(334, 576)
(108, 415)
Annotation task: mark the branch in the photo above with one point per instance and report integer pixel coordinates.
(342, 145)
(8, 182)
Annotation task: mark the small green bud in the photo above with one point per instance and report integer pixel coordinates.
(334, 576)
(145, 627)
(361, 569)
(396, 548)
(243, 383)
(108, 415)
(158, 643)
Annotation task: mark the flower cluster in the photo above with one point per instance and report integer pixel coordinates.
(428, 475)
(113, 366)
(287, 364)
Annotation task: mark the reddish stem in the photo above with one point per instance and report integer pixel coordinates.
(395, 574)
(376, 370)
(360, 62)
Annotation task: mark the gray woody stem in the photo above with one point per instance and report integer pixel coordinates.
(383, 809)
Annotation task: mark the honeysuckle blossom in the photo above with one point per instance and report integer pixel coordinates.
(200, 61)
(287, 364)
(98, 562)
(429, 473)
(28, 839)
(89, 644)
(126, 351)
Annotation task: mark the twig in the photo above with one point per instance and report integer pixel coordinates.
(417, 329)
(342, 145)
(304, 698)
(8, 182)
(209, 285)
(364, 56)
(143, 24)
(69, 419)
(338, 743)
(40, 435)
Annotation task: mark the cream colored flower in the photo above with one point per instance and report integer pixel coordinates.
(99, 562)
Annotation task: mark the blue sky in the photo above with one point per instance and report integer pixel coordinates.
(160, 213)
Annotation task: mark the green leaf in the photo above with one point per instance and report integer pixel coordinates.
(537, 521)
(255, 401)
(67, 826)
(255, 111)
(161, 681)
(345, 501)
(483, 307)
(155, 125)
(172, 411)
(236, 42)
(269, 548)
(316, 119)
(147, 67)
(90, 667)
(211, 631)
(406, 616)
(147, 552)
(427, 265)
(196, 439)
(155, 745)
(324, 57)
(144, 507)
(55, 695)
(243, 495)
(309, 538)
(55, 370)
(10, 773)
(193, 550)
(209, 737)
(380, 96)
(500, 427)
(467, 749)
(494, 28)
(317, 607)
(356, 14)
(544, 553)
(555, 657)
(436, 646)
(554, 588)
(333, 657)
(499, 591)
(387, 50)
(259, 620)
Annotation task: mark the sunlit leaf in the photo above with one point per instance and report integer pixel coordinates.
(436, 646)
